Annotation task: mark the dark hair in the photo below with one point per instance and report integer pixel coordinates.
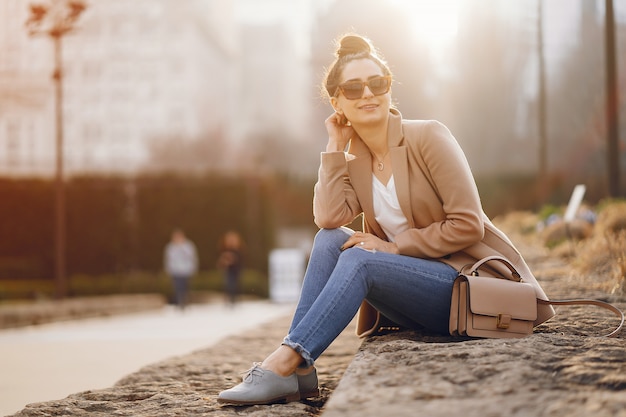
(349, 48)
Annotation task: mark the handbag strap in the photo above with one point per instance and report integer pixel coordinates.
(619, 313)
(514, 274)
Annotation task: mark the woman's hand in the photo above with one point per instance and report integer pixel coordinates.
(339, 132)
(370, 242)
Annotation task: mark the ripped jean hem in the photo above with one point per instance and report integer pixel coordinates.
(308, 361)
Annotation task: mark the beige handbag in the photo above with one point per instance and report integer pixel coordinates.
(485, 306)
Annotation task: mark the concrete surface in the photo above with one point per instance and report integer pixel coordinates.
(48, 362)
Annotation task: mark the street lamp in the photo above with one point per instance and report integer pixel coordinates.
(56, 20)
(612, 101)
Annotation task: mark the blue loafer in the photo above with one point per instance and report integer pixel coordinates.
(308, 385)
(261, 386)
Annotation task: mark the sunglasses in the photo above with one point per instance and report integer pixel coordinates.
(353, 90)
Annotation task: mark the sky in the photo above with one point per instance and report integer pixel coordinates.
(433, 19)
(297, 15)
(436, 20)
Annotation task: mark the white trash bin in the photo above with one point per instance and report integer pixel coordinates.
(286, 272)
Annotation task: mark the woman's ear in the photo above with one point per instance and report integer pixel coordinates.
(335, 104)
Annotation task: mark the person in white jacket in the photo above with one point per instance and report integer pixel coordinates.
(181, 264)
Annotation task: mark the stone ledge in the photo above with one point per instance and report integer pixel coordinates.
(567, 367)
(550, 373)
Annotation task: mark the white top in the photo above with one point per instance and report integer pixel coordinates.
(387, 210)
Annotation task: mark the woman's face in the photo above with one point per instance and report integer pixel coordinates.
(368, 109)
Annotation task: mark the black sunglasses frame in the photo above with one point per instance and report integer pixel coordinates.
(362, 84)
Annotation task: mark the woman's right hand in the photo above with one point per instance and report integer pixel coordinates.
(339, 132)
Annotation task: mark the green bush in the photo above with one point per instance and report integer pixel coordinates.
(251, 283)
(548, 210)
(14, 289)
(116, 225)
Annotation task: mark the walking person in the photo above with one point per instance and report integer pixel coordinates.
(230, 261)
(422, 222)
(181, 264)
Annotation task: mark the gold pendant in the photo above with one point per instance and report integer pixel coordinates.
(381, 166)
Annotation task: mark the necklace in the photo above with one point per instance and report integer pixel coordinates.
(381, 165)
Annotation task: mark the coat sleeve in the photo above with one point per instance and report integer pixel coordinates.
(458, 215)
(334, 201)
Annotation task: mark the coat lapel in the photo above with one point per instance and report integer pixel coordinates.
(399, 161)
(360, 172)
(400, 164)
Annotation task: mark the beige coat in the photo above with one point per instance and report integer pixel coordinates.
(437, 194)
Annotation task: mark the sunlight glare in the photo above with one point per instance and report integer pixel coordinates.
(434, 21)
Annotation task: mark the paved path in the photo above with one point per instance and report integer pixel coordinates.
(96, 353)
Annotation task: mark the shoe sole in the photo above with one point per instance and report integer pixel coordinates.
(310, 394)
(283, 399)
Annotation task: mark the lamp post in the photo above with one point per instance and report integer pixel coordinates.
(55, 20)
(612, 102)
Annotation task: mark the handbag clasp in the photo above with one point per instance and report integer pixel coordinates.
(503, 321)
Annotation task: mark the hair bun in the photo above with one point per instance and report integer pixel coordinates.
(353, 44)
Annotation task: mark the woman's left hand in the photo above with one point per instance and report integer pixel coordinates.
(370, 242)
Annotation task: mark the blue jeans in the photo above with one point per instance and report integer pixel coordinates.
(181, 290)
(412, 292)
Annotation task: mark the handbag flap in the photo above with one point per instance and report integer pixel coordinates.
(494, 296)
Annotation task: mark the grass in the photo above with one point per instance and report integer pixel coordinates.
(251, 282)
(598, 259)
(605, 252)
(602, 256)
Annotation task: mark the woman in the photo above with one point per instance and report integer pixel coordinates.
(422, 222)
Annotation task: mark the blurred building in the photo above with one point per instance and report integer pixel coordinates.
(134, 72)
(148, 84)
(25, 89)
